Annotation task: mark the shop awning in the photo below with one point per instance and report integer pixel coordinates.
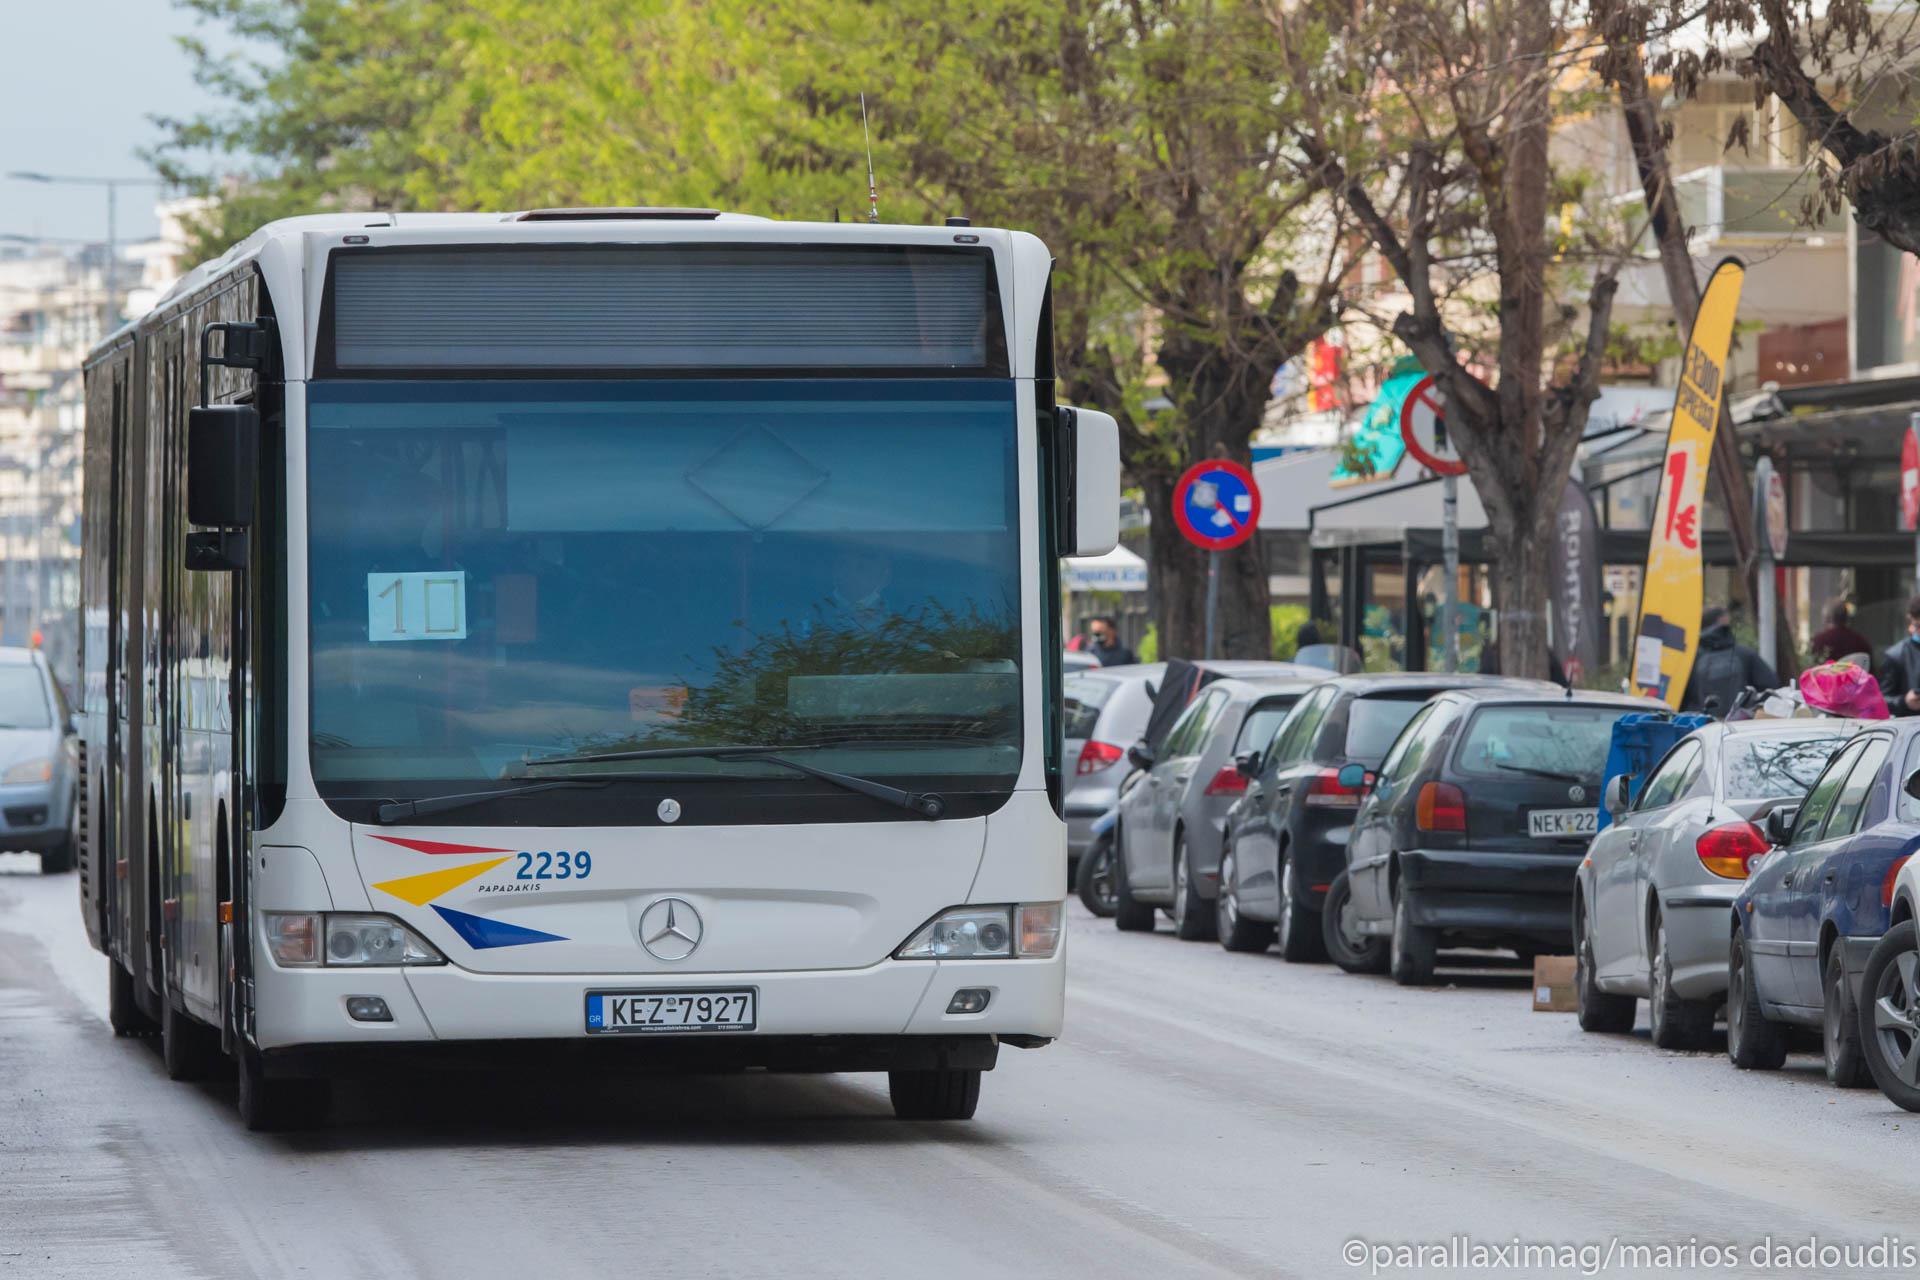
(1118, 570)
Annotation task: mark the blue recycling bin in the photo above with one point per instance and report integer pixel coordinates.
(1639, 740)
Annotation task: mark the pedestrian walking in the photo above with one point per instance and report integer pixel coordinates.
(1723, 668)
(1900, 668)
(1107, 649)
(1840, 640)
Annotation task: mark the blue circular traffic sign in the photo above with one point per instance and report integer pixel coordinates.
(1217, 504)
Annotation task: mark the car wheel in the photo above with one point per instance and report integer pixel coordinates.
(124, 1014)
(1236, 932)
(1677, 1023)
(1840, 1026)
(1598, 1011)
(1094, 879)
(1192, 914)
(1352, 950)
(1298, 930)
(190, 1050)
(949, 1093)
(1753, 1043)
(1129, 914)
(1411, 951)
(1890, 1016)
(268, 1105)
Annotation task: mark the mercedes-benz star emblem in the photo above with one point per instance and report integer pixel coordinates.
(669, 810)
(670, 929)
(1576, 794)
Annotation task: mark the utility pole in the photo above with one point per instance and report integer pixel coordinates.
(110, 312)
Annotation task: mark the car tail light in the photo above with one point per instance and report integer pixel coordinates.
(1325, 791)
(1893, 872)
(1228, 782)
(1441, 807)
(1726, 850)
(1095, 756)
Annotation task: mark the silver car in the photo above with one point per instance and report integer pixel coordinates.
(1171, 821)
(38, 753)
(1652, 897)
(1107, 709)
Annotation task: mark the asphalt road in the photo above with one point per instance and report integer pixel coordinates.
(1207, 1114)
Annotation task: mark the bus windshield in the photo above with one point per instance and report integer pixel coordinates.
(501, 571)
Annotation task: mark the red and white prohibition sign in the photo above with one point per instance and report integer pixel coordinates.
(1422, 419)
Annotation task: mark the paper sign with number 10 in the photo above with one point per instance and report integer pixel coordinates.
(417, 606)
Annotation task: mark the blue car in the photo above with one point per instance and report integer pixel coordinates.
(1813, 907)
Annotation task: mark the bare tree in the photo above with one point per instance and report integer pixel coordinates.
(1447, 169)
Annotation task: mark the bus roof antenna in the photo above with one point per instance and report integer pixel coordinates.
(873, 191)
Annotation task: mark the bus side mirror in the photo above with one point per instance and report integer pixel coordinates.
(1090, 456)
(223, 443)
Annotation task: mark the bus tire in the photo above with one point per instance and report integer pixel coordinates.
(124, 1014)
(275, 1106)
(949, 1093)
(190, 1050)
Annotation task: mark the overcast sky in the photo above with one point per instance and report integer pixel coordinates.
(81, 79)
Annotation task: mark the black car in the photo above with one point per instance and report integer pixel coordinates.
(1472, 832)
(1286, 838)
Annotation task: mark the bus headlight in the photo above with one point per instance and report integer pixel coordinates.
(308, 938)
(367, 939)
(1027, 930)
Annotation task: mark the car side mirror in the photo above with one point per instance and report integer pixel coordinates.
(1354, 777)
(1247, 763)
(1779, 824)
(1616, 796)
(1140, 756)
(1912, 785)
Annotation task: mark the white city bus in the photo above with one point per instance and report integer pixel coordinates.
(617, 635)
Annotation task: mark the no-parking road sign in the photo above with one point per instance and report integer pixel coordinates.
(1217, 504)
(1423, 427)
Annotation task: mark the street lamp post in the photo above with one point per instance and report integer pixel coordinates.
(112, 310)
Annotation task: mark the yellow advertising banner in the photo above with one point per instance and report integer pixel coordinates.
(1670, 589)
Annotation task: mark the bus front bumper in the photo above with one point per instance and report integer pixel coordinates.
(895, 998)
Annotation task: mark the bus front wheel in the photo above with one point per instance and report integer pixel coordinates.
(950, 1093)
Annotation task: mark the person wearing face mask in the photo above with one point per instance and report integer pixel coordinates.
(1107, 648)
(1900, 668)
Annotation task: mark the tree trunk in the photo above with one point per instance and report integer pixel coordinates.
(1524, 571)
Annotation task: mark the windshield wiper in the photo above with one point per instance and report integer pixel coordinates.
(1555, 774)
(395, 810)
(926, 804)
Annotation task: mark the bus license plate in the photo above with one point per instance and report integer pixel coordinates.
(1553, 824)
(629, 1012)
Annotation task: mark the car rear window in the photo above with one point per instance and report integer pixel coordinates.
(23, 699)
(1560, 741)
(1760, 767)
(1257, 730)
(1373, 724)
(1085, 696)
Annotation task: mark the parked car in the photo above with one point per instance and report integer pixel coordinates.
(1072, 660)
(1106, 712)
(1889, 996)
(1286, 841)
(38, 762)
(1811, 912)
(1167, 846)
(1472, 830)
(1651, 899)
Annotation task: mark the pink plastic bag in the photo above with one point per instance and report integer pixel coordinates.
(1843, 689)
